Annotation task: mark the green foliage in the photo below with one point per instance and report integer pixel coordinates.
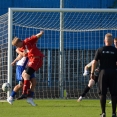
(53, 108)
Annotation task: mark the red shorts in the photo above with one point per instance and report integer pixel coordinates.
(35, 63)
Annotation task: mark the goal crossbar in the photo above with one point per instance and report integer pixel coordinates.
(62, 10)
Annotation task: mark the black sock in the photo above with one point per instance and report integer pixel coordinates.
(103, 103)
(85, 91)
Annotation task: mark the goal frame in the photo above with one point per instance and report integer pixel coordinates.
(61, 10)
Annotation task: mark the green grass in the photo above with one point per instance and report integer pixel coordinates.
(53, 108)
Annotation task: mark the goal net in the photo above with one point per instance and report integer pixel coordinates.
(71, 37)
(3, 52)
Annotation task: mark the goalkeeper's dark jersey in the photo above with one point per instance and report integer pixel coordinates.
(107, 56)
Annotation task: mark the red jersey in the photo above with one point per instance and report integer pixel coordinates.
(29, 45)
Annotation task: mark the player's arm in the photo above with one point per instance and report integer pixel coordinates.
(17, 59)
(86, 69)
(94, 63)
(39, 34)
(33, 39)
(19, 51)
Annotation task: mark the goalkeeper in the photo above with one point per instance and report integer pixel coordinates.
(91, 81)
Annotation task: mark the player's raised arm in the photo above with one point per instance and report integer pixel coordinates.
(39, 34)
(33, 39)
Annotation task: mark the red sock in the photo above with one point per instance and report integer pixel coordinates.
(26, 86)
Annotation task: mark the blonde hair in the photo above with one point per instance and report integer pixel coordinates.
(15, 41)
(109, 36)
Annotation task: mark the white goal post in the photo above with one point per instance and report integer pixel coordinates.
(69, 43)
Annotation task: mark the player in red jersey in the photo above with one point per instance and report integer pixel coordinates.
(28, 48)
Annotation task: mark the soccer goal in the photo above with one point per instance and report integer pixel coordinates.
(71, 37)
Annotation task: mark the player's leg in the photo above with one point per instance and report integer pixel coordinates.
(90, 84)
(31, 92)
(113, 91)
(110, 102)
(19, 70)
(32, 86)
(14, 92)
(114, 102)
(32, 67)
(103, 104)
(86, 90)
(26, 87)
(102, 91)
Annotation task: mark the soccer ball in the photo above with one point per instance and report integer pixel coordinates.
(6, 87)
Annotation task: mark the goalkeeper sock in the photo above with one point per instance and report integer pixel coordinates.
(26, 86)
(85, 91)
(13, 94)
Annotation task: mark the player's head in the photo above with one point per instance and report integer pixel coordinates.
(108, 39)
(17, 42)
(115, 42)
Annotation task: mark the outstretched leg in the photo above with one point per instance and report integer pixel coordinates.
(86, 90)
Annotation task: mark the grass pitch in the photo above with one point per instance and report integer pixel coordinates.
(53, 108)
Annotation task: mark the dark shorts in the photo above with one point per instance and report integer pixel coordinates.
(19, 70)
(96, 79)
(30, 71)
(107, 80)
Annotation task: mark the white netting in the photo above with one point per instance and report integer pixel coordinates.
(73, 22)
(83, 34)
(3, 52)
